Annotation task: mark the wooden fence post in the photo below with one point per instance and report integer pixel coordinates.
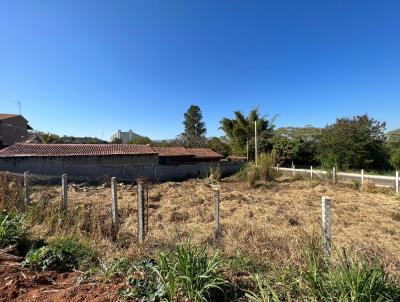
(140, 212)
(362, 176)
(217, 214)
(64, 192)
(397, 182)
(311, 172)
(334, 175)
(26, 190)
(326, 226)
(114, 208)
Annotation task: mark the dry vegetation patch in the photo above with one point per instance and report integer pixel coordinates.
(270, 224)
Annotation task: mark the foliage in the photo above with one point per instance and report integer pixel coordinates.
(50, 138)
(195, 130)
(265, 293)
(11, 229)
(141, 140)
(353, 143)
(191, 270)
(285, 148)
(395, 159)
(307, 132)
(63, 254)
(350, 280)
(219, 145)
(116, 141)
(118, 267)
(240, 129)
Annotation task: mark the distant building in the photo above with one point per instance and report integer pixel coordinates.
(124, 136)
(13, 128)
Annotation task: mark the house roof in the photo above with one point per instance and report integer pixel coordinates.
(204, 153)
(4, 116)
(60, 150)
(181, 151)
(172, 151)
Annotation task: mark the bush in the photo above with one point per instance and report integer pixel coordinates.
(64, 254)
(12, 233)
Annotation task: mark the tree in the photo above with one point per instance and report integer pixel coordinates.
(240, 129)
(116, 141)
(141, 140)
(356, 142)
(286, 149)
(195, 130)
(395, 159)
(49, 138)
(218, 145)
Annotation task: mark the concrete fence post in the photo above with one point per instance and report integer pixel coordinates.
(311, 172)
(397, 182)
(114, 208)
(294, 170)
(140, 212)
(64, 192)
(334, 175)
(217, 214)
(26, 190)
(362, 176)
(327, 226)
(277, 167)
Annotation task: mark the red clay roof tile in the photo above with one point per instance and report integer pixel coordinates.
(57, 150)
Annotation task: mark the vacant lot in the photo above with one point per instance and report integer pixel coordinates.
(267, 229)
(271, 224)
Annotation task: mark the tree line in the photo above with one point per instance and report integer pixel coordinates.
(358, 142)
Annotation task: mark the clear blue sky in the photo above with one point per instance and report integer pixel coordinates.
(91, 67)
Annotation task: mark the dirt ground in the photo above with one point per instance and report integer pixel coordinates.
(271, 224)
(21, 284)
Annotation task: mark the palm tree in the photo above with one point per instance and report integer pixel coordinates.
(240, 129)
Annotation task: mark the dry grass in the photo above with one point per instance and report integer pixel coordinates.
(270, 224)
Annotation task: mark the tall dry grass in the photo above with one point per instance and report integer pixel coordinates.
(268, 224)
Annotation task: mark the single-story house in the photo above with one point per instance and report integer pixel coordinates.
(90, 160)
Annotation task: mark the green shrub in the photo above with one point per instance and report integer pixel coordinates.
(191, 270)
(63, 254)
(10, 229)
(118, 267)
(350, 280)
(264, 292)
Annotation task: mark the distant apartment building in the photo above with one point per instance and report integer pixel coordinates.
(123, 136)
(13, 129)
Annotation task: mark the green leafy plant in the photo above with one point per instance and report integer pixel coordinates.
(122, 266)
(12, 233)
(64, 254)
(349, 280)
(264, 292)
(190, 270)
